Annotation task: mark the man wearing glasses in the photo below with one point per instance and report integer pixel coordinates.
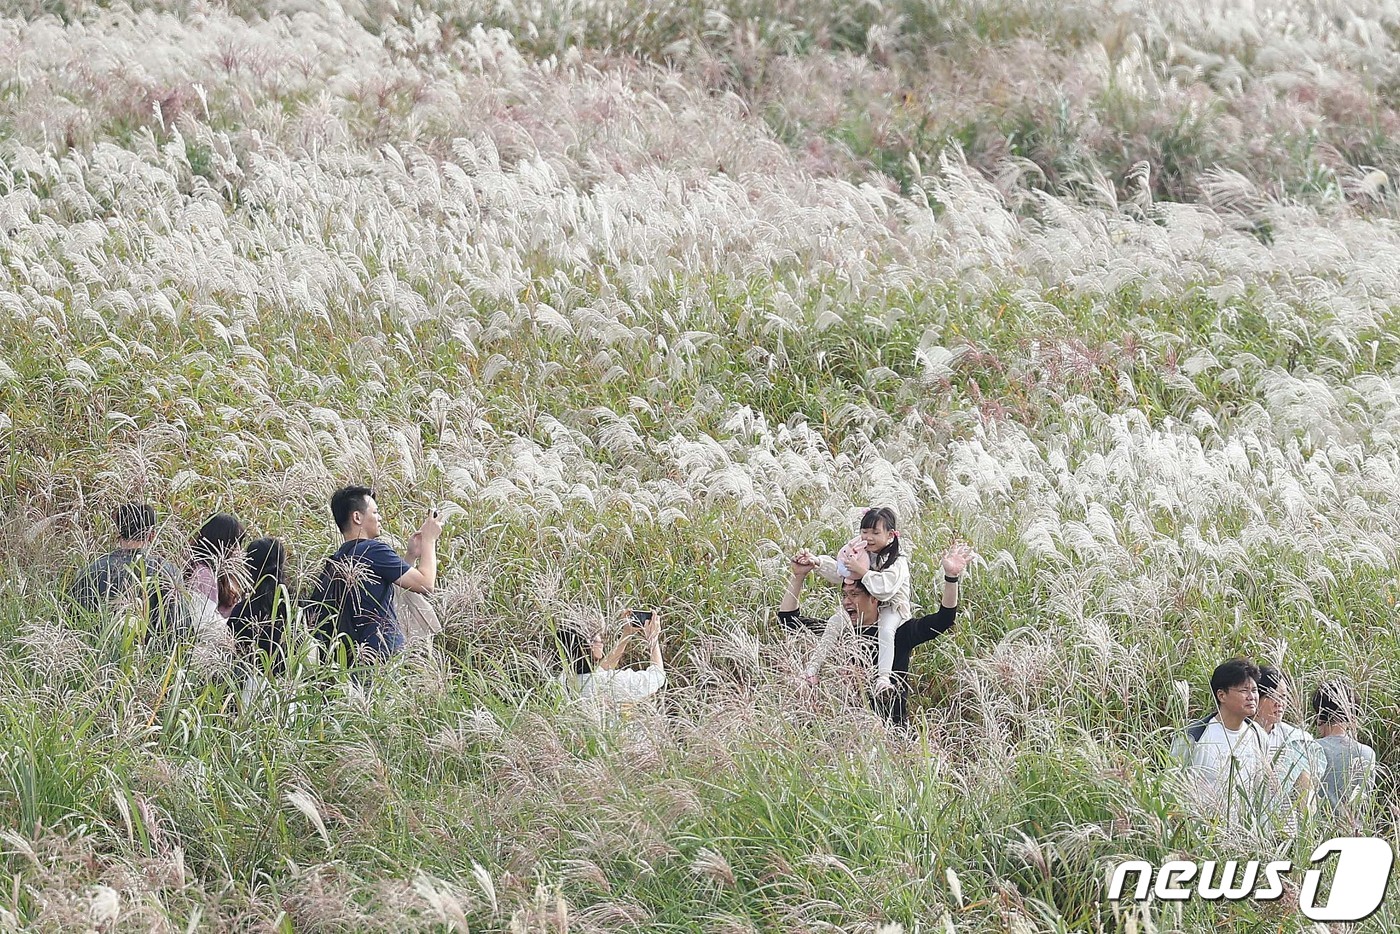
(1227, 752)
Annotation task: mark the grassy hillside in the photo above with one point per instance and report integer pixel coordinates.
(645, 297)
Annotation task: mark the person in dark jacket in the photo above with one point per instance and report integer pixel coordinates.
(132, 571)
(261, 618)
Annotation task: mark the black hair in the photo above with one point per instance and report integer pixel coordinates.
(217, 537)
(877, 518)
(1334, 702)
(267, 567)
(259, 620)
(858, 585)
(348, 500)
(578, 657)
(213, 547)
(1270, 680)
(1232, 674)
(134, 521)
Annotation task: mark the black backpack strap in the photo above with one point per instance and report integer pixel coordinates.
(1197, 728)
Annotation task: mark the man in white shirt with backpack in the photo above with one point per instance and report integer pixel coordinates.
(1226, 754)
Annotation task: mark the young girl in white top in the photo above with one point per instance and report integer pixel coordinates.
(876, 560)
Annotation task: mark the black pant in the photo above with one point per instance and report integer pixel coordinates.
(892, 705)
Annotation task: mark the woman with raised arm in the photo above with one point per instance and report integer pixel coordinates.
(593, 677)
(611, 685)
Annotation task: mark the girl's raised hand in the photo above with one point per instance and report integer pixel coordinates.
(858, 563)
(956, 559)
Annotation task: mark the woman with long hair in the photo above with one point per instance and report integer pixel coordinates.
(593, 678)
(259, 620)
(215, 570)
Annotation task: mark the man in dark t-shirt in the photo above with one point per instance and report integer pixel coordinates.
(368, 571)
(132, 572)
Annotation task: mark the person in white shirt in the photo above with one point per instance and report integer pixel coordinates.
(1295, 757)
(592, 677)
(1226, 753)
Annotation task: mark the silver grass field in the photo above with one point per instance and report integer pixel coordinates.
(645, 297)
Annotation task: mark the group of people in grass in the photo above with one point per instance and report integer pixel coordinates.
(876, 609)
(238, 588)
(1243, 750)
(1245, 762)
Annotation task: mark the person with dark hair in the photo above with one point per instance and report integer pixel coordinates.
(260, 619)
(1227, 751)
(214, 570)
(594, 680)
(860, 611)
(355, 593)
(875, 558)
(1296, 759)
(580, 653)
(1350, 770)
(135, 522)
(589, 674)
(132, 571)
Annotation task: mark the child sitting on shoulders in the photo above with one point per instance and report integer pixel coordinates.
(875, 559)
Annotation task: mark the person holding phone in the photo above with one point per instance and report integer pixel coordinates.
(582, 653)
(611, 689)
(354, 597)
